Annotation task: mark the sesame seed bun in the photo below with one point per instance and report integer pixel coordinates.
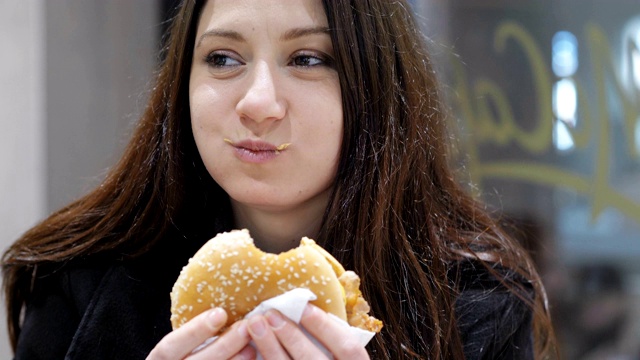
(230, 272)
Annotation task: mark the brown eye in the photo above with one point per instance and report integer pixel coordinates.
(306, 60)
(221, 60)
(309, 59)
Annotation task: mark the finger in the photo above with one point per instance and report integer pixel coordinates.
(265, 340)
(335, 337)
(231, 344)
(180, 342)
(248, 353)
(294, 340)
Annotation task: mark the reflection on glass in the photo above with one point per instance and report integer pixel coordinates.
(631, 42)
(564, 54)
(565, 101)
(637, 134)
(562, 138)
(635, 60)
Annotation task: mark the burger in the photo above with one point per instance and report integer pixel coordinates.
(230, 272)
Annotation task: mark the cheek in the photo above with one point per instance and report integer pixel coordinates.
(196, 105)
(324, 118)
(203, 123)
(335, 128)
(205, 108)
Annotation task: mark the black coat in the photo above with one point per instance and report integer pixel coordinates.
(98, 311)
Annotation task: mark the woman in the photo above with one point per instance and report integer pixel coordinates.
(291, 119)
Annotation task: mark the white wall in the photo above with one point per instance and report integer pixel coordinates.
(73, 75)
(100, 56)
(22, 125)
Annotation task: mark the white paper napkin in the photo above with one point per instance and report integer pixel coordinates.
(291, 304)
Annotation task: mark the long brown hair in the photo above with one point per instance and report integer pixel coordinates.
(397, 216)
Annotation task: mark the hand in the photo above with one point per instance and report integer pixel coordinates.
(276, 337)
(180, 343)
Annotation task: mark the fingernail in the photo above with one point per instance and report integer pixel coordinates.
(308, 310)
(275, 319)
(216, 316)
(241, 328)
(257, 326)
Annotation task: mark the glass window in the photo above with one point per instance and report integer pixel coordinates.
(546, 95)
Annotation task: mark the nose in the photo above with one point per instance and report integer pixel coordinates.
(261, 102)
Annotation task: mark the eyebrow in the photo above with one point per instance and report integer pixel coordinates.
(229, 34)
(304, 31)
(288, 35)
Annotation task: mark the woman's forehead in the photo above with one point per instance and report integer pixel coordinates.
(247, 15)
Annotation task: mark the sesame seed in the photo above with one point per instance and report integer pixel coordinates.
(200, 286)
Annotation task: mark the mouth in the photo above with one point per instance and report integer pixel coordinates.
(257, 145)
(256, 151)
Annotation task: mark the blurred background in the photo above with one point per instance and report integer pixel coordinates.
(544, 98)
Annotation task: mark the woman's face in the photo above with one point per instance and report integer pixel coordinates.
(265, 101)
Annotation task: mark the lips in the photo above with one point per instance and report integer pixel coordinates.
(255, 145)
(256, 151)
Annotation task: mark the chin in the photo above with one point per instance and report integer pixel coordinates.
(280, 199)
